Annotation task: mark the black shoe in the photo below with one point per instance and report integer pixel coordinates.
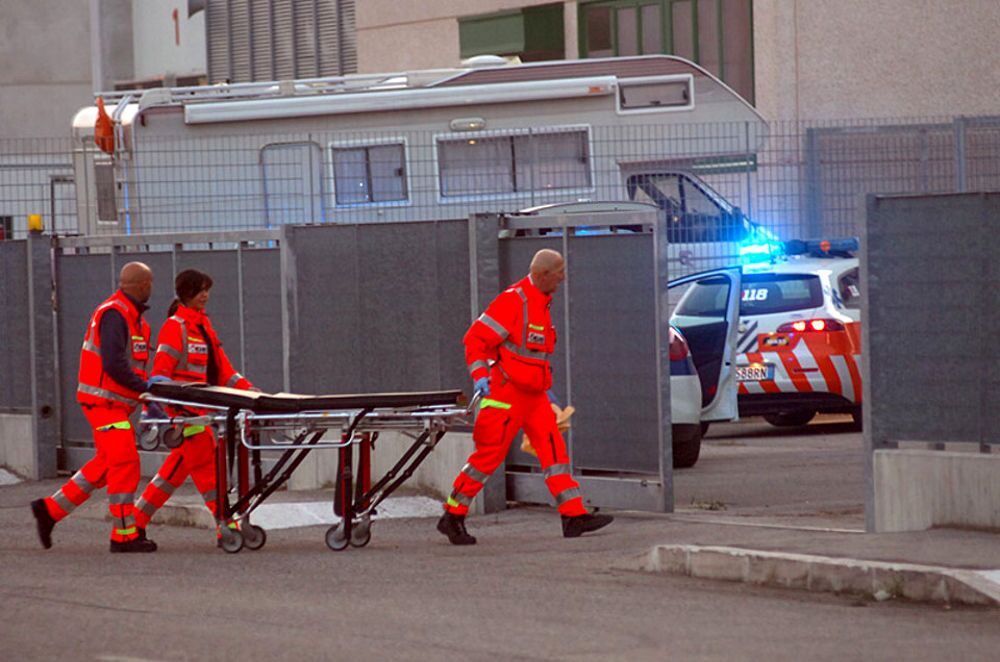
(44, 521)
(453, 526)
(135, 546)
(574, 527)
(142, 534)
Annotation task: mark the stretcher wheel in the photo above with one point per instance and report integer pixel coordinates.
(335, 538)
(232, 540)
(254, 537)
(361, 534)
(173, 437)
(149, 438)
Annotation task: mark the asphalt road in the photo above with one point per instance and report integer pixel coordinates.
(522, 593)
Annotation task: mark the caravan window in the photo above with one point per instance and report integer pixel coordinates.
(651, 94)
(514, 164)
(692, 216)
(368, 174)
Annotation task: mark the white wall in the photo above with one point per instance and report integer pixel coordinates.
(165, 45)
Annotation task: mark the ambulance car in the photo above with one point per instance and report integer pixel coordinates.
(798, 345)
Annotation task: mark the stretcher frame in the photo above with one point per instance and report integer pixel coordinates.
(246, 415)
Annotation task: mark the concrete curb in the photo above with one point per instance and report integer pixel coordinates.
(874, 579)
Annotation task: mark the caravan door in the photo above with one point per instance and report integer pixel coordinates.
(705, 307)
(292, 180)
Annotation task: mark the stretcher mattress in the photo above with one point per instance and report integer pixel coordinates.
(277, 403)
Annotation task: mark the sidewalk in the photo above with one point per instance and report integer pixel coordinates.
(826, 554)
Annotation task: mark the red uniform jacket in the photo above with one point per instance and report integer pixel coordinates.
(183, 348)
(513, 339)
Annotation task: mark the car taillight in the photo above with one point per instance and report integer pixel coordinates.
(678, 346)
(806, 326)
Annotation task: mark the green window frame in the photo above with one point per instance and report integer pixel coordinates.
(720, 37)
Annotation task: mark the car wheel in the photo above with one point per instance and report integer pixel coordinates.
(704, 428)
(687, 444)
(856, 415)
(791, 418)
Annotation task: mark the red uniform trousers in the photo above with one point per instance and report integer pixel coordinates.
(500, 417)
(116, 465)
(196, 458)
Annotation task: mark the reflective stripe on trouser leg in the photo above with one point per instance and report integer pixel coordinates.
(122, 516)
(540, 426)
(494, 430)
(77, 489)
(199, 458)
(161, 488)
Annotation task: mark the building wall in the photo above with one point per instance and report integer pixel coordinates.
(816, 59)
(45, 74)
(424, 35)
(165, 45)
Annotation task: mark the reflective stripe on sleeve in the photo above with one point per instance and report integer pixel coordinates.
(169, 351)
(476, 365)
(235, 378)
(91, 347)
(494, 325)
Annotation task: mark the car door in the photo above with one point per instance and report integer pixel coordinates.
(705, 307)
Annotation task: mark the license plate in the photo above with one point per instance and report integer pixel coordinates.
(755, 373)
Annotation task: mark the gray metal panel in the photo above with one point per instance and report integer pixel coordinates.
(925, 341)
(82, 282)
(45, 422)
(262, 332)
(377, 308)
(15, 373)
(613, 352)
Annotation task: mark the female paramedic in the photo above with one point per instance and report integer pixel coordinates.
(188, 351)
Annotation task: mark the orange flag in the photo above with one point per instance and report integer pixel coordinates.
(104, 130)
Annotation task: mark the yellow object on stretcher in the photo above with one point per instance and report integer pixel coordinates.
(562, 422)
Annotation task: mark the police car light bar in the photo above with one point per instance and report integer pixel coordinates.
(822, 247)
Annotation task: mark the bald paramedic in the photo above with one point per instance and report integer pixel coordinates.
(112, 378)
(507, 351)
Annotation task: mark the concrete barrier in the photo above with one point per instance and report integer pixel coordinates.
(17, 444)
(920, 489)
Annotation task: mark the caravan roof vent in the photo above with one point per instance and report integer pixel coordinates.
(478, 61)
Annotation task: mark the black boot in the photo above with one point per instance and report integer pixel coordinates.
(44, 521)
(135, 546)
(574, 527)
(453, 526)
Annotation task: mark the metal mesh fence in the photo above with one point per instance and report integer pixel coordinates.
(797, 180)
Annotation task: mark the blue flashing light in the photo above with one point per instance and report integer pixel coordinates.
(760, 252)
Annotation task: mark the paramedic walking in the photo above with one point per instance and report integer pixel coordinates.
(188, 350)
(112, 378)
(507, 352)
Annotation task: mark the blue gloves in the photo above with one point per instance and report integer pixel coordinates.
(156, 378)
(553, 399)
(482, 386)
(154, 410)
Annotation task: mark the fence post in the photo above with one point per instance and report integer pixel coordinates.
(814, 214)
(961, 184)
(41, 337)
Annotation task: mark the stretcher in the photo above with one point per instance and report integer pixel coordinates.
(295, 425)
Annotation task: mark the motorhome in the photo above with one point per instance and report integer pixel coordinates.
(424, 145)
